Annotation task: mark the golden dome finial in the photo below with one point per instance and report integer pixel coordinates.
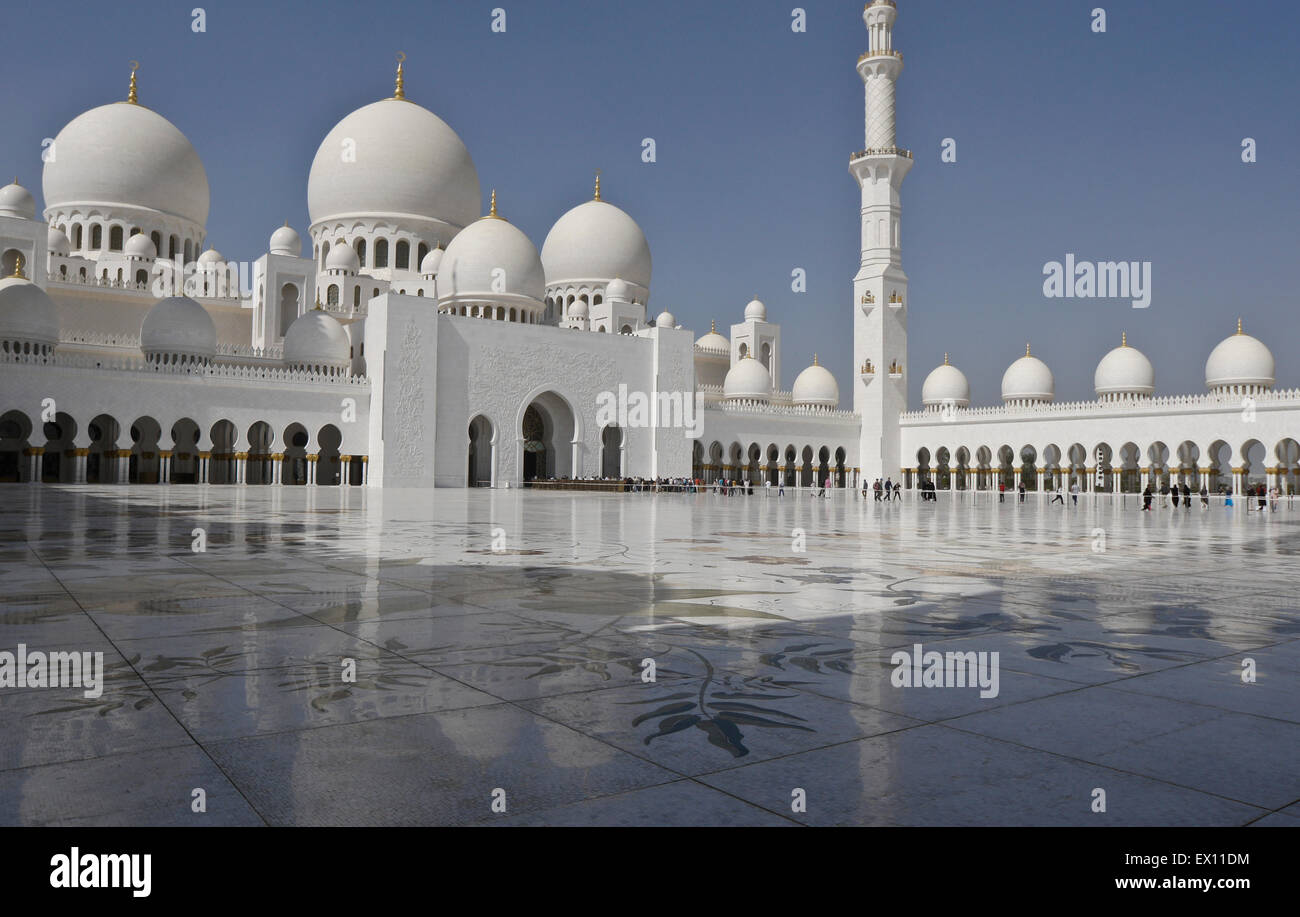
(1239, 331)
(1123, 339)
(713, 326)
(945, 359)
(492, 211)
(18, 267)
(597, 197)
(131, 93)
(318, 299)
(400, 91)
(1026, 348)
(814, 358)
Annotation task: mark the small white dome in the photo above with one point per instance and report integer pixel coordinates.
(946, 384)
(211, 256)
(596, 242)
(1028, 379)
(485, 250)
(816, 387)
(1124, 371)
(748, 380)
(714, 344)
(286, 241)
(756, 311)
(316, 339)
(666, 320)
(17, 201)
(27, 313)
(578, 309)
(432, 262)
(342, 258)
(57, 241)
(178, 325)
(1240, 360)
(618, 291)
(140, 246)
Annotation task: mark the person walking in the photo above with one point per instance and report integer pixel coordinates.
(1059, 497)
(1021, 489)
(1263, 499)
(1146, 499)
(1205, 496)
(1187, 497)
(1173, 492)
(1002, 491)
(898, 491)
(1074, 493)
(1164, 496)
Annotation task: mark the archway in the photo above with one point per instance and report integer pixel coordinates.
(258, 467)
(1288, 465)
(58, 465)
(101, 459)
(221, 464)
(15, 429)
(547, 431)
(611, 452)
(329, 465)
(1219, 455)
(145, 462)
(1130, 475)
(293, 468)
(943, 478)
(479, 465)
(185, 452)
(1254, 461)
(984, 468)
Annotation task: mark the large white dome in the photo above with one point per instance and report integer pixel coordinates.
(596, 242)
(1028, 379)
(816, 387)
(27, 314)
(1124, 371)
(178, 326)
(488, 254)
(316, 339)
(1240, 360)
(125, 154)
(748, 380)
(946, 384)
(395, 159)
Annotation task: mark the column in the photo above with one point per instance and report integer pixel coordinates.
(79, 465)
(33, 460)
(277, 468)
(123, 466)
(365, 468)
(311, 470)
(345, 470)
(164, 467)
(205, 460)
(241, 467)
(952, 479)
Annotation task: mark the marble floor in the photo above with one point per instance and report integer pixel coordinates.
(363, 657)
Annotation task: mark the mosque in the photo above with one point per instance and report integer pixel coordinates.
(413, 342)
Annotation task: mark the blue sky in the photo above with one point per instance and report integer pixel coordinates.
(1119, 146)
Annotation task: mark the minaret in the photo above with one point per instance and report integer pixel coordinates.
(880, 287)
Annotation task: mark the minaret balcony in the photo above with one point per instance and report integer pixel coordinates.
(880, 151)
(895, 300)
(868, 302)
(880, 52)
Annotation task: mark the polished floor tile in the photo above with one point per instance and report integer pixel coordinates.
(351, 656)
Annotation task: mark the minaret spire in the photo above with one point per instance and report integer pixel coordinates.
(597, 197)
(131, 90)
(400, 91)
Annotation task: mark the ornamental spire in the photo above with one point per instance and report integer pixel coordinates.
(1239, 331)
(18, 267)
(400, 91)
(597, 197)
(131, 93)
(493, 209)
(1123, 339)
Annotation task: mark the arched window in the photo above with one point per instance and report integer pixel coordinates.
(324, 253)
(189, 251)
(597, 300)
(96, 237)
(156, 239)
(115, 239)
(332, 295)
(375, 293)
(419, 255)
(76, 236)
(142, 277)
(402, 255)
(361, 251)
(173, 247)
(356, 298)
(381, 253)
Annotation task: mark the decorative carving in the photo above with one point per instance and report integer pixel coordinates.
(408, 451)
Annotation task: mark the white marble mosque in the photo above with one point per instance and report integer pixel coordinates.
(412, 341)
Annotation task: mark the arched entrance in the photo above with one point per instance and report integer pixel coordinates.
(546, 439)
(479, 471)
(611, 452)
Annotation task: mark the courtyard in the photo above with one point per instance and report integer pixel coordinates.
(356, 656)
